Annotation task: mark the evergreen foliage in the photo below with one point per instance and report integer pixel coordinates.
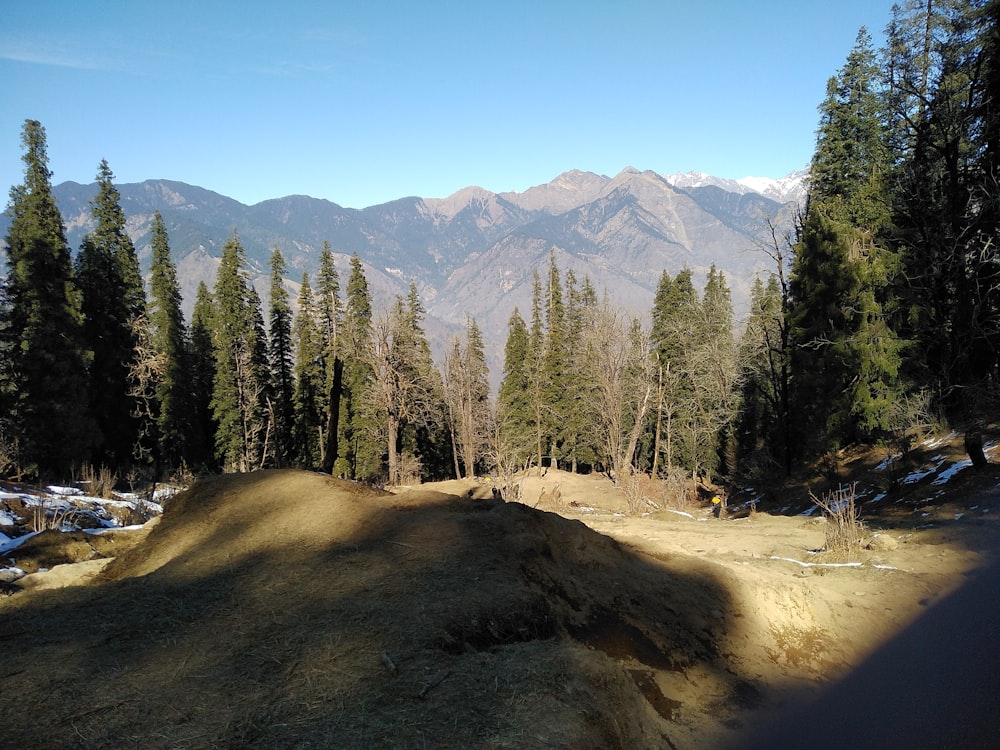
(553, 387)
(309, 380)
(169, 337)
(113, 304)
(361, 451)
(845, 356)
(760, 444)
(581, 444)
(467, 390)
(46, 425)
(893, 291)
(282, 384)
(201, 379)
(331, 314)
(515, 433)
(241, 384)
(939, 78)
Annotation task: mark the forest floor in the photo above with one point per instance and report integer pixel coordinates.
(288, 609)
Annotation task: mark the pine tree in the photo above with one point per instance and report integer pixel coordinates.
(580, 433)
(553, 372)
(712, 366)
(405, 389)
(361, 455)
(170, 341)
(759, 431)
(201, 380)
(845, 357)
(240, 392)
(515, 433)
(309, 379)
(280, 360)
(536, 369)
(45, 384)
(467, 392)
(113, 302)
(822, 320)
(331, 312)
(852, 162)
(938, 86)
(675, 306)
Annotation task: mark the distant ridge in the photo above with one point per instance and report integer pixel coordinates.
(474, 253)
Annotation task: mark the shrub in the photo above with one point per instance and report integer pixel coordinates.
(844, 528)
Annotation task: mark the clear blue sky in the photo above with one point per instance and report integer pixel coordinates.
(364, 102)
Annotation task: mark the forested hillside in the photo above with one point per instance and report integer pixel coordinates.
(876, 314)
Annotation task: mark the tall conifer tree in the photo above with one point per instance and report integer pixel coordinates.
(113, 305)
(360, 454)
(241, 378)
(309, 379)
(468, 390)
(280, 359)
(45, 400)
(515, 414)
(201, 440)
(170, 341)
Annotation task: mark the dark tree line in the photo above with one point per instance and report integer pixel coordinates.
(887, 318)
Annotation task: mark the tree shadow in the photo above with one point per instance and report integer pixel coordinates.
(285, 609)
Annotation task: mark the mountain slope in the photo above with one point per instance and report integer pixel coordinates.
(474, 252)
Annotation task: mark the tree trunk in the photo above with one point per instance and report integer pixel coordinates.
(659, 420)
(454, 452)
(333, 418)
(392, 439)
(974, 447)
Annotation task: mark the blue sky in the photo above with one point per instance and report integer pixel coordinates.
(365, 102)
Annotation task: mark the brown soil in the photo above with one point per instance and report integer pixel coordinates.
(288, 609)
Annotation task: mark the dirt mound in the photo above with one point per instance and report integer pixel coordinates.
(288, 609)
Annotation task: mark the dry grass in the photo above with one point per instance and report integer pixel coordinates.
(99, 482)
(844, 528)
(258, 611)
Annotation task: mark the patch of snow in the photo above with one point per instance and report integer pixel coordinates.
(7, 519)
(951, 471)
(916, 476)
(935, 441)
(10, 574)
(883, 465)
(16, 542)
(679, 512)
(55, 489)
(818, 565)
(106, 529)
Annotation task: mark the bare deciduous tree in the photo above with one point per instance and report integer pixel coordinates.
(619, 354)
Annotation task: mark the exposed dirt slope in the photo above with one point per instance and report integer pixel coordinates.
(288, 609)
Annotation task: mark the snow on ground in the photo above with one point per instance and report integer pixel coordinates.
(69, 509)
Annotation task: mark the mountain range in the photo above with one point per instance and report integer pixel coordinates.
(474, 253)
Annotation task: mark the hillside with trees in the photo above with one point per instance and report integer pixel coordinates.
(880, 315)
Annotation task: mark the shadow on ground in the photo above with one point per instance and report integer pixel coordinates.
(288, 609)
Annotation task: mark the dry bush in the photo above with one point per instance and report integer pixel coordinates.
(100, 483)
(844, 528)
(639, 490)
(43, 519)
(410, 469)
(675, 492)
